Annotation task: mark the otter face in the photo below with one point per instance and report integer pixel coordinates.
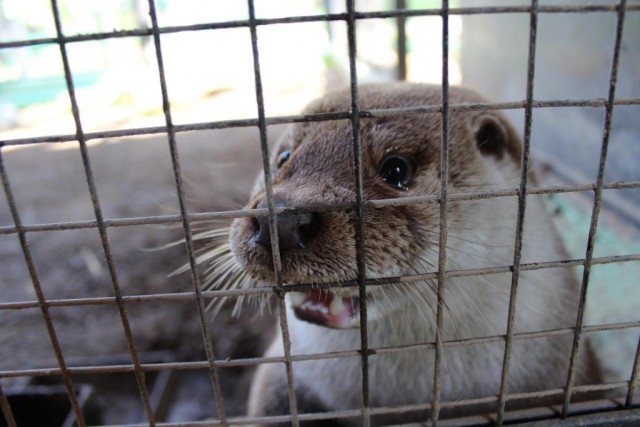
(313, 165)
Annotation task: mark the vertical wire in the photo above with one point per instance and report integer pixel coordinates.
(139, 373)
(442, 242)
(42, 302)
(522, 205)
(206, 333)
(596, 209)
(401, 24)
(360, 234)
(6, 409)
(634, 378)
(273, 220)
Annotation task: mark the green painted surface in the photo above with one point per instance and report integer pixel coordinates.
(614, 289)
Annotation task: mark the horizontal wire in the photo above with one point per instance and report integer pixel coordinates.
(243, 213)
(305, 118)
(254, 361)
(581, 408)
(146, 32)
(262, 290)
(546, 412)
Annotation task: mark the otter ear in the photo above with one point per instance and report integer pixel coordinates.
(491, 136)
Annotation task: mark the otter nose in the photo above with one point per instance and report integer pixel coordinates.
(295, 231)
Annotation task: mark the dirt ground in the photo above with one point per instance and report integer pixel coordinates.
(134, 178)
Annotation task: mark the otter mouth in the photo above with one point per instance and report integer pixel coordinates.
(325, 308)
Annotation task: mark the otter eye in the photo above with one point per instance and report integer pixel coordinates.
(283, 157)
(396, 171)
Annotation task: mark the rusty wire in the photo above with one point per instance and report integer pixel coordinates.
(299, 118)
(183, 296)
(359, 208)
(633, 381)
(272, 216)
(207, 336)
(596, 208)
(234, 363)
(6, 409)
(442, 237)
(271, 211)
(522, 204)
(142, 32)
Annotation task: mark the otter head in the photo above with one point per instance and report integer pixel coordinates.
(313, 164)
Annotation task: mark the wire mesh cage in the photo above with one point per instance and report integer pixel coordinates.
(115, 300)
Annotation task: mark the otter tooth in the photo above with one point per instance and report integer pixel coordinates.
(337, 306)
(297, 298)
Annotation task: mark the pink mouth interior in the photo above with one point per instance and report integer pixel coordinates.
(326, 309)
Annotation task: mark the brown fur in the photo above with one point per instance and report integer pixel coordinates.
(320, 171)
(484, 153)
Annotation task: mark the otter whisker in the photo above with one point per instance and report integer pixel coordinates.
(422, 301)
(223, 264)
(431, 286)
(220, 234)
(234, 283)
(221, 271)
(465, 240)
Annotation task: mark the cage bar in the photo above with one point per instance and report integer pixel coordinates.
(207, 335)
(42, 301)
(442, 238)
(522, 204)
(524, 418)
(231, 363)
(6, 409)
(402, 201)
(360, 232)
(95, 201)
(633, 382)
(184, 296)
(401, 48)
(142, 32)
(273, 224)
(350, 17)
(276, 120)
(596, 207)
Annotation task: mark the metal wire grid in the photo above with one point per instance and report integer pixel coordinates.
(522, 201)
(596, 211)
(195, 277)
(273, 227)
(262, 122)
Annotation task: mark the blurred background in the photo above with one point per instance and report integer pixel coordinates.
(210, 78)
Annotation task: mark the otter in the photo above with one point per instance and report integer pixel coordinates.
(312, 164)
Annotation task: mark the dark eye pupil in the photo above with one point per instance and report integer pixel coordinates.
(283, 157)
(395, 171)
